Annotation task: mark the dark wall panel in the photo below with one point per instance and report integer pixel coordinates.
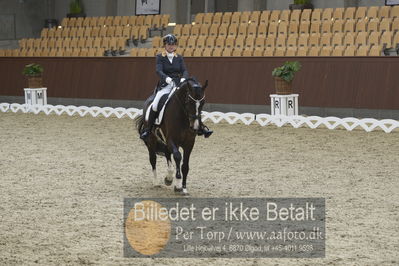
(344, 82)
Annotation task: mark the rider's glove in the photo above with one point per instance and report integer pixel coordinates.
(182, 80)
(168, 80)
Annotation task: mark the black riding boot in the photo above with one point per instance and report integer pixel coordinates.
(204, 130)
(151, 121)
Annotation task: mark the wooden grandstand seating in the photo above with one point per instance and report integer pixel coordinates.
(314, 51)
(207, 52)
(327, 14)
(338, 14)
(295, 15)
(219, 42)
(244, 19)
(235, 18)
(349, 13)
(242, 29)
(217, 18)
(314, 39)
(315, 27)
(386, 39)
(349, 25)
(233, 30)
(303, 40)
(269, 51)
(337, 39)
(395, 25)
(349, 51)
(375, 50)
(282, 28)
(291, 51)
(326, 51)
(279, 51)
(338, 26)
(285, 16)
(207, 18)
(385, 25)
(361, 25)
(254, 17)
(304, 27)
(204, 30)
(384, 12)
(302, 51)
(292, 40)
(249, 42)
(293, 27)
(361, 39)
(338, 51)
(360, 12)
(214, 30)
(325, 39)
(305, 16)
(230, 42)
(191, 42)
(372, 12)
(210, 42)
(275, 16)
(264, 17)
(273, 29)
(237, 52)
(247, 52)
(374, 38)
(326, 26)
(252, 29)
(217, 51)
(316, 15)
(226, 18)
(239, 42)
(270, 42)
(199, 18)
(258, 51)
(373, 25)
(260, 42)
(362, 50)
(223, 29)
(198, 52)
(349, 39)
(262, 30)
(281, 41)
(177, 30)
(195, 30)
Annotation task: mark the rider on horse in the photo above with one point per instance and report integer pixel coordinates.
(172, 71)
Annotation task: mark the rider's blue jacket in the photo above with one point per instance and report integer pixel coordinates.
(175, 70)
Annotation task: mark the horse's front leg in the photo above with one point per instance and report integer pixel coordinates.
(177, 158)
(185, 167)
(169, 178)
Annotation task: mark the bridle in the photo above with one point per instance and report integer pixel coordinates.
(197, 103)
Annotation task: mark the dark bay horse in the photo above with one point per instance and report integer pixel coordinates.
(178, 129)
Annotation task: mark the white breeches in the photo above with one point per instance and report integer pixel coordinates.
(160, 93)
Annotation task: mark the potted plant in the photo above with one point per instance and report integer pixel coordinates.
(76, 9)
(34, 73)
(283, 76)
(301, 4)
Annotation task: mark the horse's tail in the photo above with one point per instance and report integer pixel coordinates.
(139, 123)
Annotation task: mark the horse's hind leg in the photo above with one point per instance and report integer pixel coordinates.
(153, 161)
(185, 167)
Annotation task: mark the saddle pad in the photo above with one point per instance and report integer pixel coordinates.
(162, 103)
(158, 121)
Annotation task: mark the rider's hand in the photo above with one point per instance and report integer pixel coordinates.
(168, 80)
(182, 80)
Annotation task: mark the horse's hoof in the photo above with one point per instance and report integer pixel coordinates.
(178, 190)
(168, 182)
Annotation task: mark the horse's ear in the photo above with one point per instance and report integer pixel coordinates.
(206, 85)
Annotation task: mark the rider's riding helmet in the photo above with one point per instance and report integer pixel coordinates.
(170, 39)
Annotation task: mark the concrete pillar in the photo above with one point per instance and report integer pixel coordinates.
(126, 7)
(247, 5)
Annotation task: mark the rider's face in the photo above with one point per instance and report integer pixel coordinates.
(170, 48)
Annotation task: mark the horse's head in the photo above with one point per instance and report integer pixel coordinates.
(194, 100)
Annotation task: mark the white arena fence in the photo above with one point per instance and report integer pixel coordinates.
(350, 123)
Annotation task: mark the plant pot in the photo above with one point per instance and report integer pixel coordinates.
(76, 15)
(283, 87)
(302, 7)
(35, 82)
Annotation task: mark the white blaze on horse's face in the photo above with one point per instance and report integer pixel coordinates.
(196, 122)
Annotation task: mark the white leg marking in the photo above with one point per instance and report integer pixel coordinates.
(170, 171)
(179, 183)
